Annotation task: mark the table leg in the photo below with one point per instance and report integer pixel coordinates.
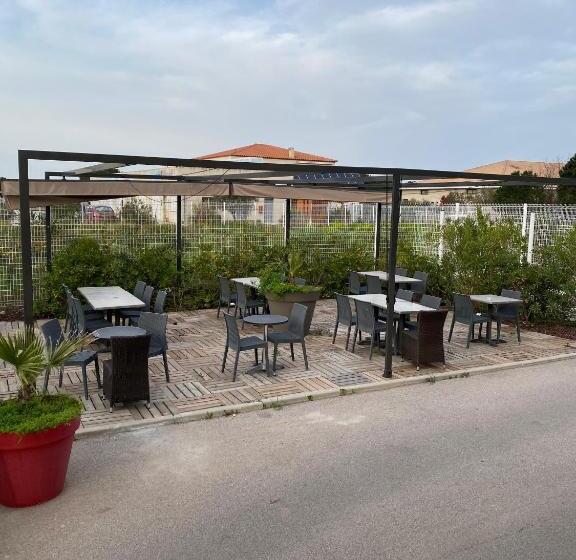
(266, 339)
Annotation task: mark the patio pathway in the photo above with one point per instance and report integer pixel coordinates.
(196, 344)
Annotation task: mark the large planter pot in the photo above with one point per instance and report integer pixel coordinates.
(33, 466)
(282, 305)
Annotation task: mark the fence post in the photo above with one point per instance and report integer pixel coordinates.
(178, 233)
(441, 242)
(287, 219)
(524, 218)
(530, 254)
(377, 231)
(224, 212)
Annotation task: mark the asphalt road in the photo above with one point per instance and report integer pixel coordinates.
(478, 468)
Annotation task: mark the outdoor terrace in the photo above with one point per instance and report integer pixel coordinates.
(196, 346)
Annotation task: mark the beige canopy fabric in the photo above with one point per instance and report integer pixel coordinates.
(50, 192)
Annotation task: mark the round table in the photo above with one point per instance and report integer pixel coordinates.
(266, 321)
(108, 332)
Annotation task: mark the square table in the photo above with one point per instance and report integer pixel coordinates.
(401, 308)
(493, 301)
(109, 298)
(251, 281)
(383, 275)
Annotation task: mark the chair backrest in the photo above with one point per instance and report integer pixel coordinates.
(420, 287)
(78, 317)
(406, 295)
(374, 284)
(241, 295)
(431, 326)
(52, 332)
(139, 289)
(463, 308)
(71, 309)
(232, 334)
(147, 297)
(401, 271)
(155, 325)
(160, 301)
(297, 320)
(365, 316)
(431, 301)
(225, 290)
(300, 281)
(130, 367)
(354, 284)
(343, 309)
(509, 310)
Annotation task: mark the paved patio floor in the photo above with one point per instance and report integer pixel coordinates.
(196, 345)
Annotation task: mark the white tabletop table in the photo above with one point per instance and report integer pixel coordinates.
(250, 281)
(493, 301)
(105, 298)
(383, 275)
(402, 308)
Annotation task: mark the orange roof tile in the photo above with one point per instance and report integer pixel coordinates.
(268, 151)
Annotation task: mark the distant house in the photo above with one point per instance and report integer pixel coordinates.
(265, 210)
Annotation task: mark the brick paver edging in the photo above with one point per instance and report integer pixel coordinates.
(284, 400)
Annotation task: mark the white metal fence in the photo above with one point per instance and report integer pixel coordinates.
(242, 223)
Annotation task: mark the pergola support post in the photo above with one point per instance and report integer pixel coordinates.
(287, 220)
(377, 232)
(391, 295)
(25, 239)
(178, 233)
(48, 231)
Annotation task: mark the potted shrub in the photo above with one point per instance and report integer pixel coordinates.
(282, 290)
(36, 430)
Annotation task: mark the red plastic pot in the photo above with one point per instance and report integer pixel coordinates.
(33, 467)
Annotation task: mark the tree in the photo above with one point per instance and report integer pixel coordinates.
(516, 194)
(566, 193)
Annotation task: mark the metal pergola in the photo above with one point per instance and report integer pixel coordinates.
(282, 180)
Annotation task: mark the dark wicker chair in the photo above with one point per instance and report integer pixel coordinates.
(234, 342)
(245, 304)
(295, 333)
(464, 313)
(355, 286)
(226, 298)
(374, 285)
(155, 325)
(132, 314)
(419, 288)
(53, 334)
(508, 312)
(427, 301)
(126, 374)
(367, 323)
(425, 344)
(344, 316)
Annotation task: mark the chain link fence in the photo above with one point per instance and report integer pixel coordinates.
(131, 224)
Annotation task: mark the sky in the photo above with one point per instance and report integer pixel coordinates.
(444, 84)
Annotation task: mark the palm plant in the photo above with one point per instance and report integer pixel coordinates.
(26, 352)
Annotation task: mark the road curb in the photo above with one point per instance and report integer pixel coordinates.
(285, 400)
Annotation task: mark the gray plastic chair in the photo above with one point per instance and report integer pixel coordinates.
(367, 323)
(465, 314)
(419, 288)
(234, 342)
(155, 325)
(406, 295)
(88, 311)
(401, 271)
(508, 312)
(139, 289)
(226, 297)
(245, 304)
(344, 316)
(82, 324)
(296, 332)
(355, 286)
(53, 334)
(374, 285)
(160, 301)
(133, 314)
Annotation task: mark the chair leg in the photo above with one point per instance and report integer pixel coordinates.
(61, 376)
(498, 329)
(304, 354)
(236, 364)
(335, 331)
(518, 329)
(348, 336)
(451, 329)
(292, 351)
(372, 344)
(224, 360)
(46, 376)
(85, 381)
(66, 323)
(274, 355)
(256, 356)
(165, 360)
(97, 368)
(218, 312)
(470, 334)
(354, 338)
(267, 360)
